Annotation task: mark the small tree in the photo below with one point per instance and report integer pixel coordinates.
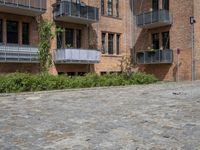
(46, 36)
(126, 65)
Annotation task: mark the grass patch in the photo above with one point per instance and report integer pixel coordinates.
(22, 82)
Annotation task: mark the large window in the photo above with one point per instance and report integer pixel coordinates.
(165, 4)
(155, 41)
(117, 8)
(110, 7)
(78, 38)
(25, 34)
(1, 31)
(69, 36)
(110, 43)
(118, 44)
(165, 40)
(12, 32)
(103, 42)
(102, 7)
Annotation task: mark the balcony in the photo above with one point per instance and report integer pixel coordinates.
(76, 13)
(18, 54)
(155, 57)
(23, 7)
(76, 56)
(154, 19)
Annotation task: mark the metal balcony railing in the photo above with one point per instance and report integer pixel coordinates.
(36, 7)
(70, 11)
(154, 19)
(80, 56)
(155, 57)
(20, 54)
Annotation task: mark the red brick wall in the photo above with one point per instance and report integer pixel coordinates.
(180, 37)
(19, 67)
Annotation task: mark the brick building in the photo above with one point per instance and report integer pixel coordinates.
(99, 33)
(165, 43)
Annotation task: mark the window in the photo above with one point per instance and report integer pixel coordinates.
(25, 34)
(118, 44)
(102, 7)
(110, 7)
(155, 5)
(165, 4)
(69, 36)
(155, 41)
(110, 43)
(165, 40)
(1, 31)
(12, 32)
(78, 38)
(103, 42)
(78, 2)
(117, 8)
(59, 40)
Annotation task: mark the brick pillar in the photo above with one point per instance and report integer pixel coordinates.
(4, 32)
(114, 8)
(105, 7)
(84, 38)
(20, 33)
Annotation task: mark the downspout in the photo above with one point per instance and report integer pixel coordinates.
(193, 43)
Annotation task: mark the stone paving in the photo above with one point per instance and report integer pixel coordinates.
(148, 117)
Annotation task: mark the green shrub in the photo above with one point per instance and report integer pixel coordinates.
(21, 82)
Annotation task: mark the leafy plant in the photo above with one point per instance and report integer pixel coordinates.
(46, 35)
(21, 82)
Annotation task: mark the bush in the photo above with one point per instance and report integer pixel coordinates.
(22, 82)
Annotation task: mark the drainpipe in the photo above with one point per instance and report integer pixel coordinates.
(192, 22)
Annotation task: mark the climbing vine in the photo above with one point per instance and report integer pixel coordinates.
(46, 35)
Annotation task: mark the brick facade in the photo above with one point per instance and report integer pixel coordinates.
(180, 38)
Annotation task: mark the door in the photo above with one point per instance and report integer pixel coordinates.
(155, 41)
(155, 7)
(165, 40)
(165, 4)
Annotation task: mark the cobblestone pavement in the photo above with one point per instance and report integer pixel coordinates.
(151, 117)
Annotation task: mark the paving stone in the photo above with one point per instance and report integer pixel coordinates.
(157, 117)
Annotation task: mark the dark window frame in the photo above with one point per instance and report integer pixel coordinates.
(103, 42)
(155, 5)
(78, 38)
(110, 43)
(156, 41)
(25, 34)
(117, 8)
(102, 7)
(166, 40)
(12, 36)
(59, 39)
(165, 4)
(118, 36)
(69, 38)
(1, 30)
(110, 8)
